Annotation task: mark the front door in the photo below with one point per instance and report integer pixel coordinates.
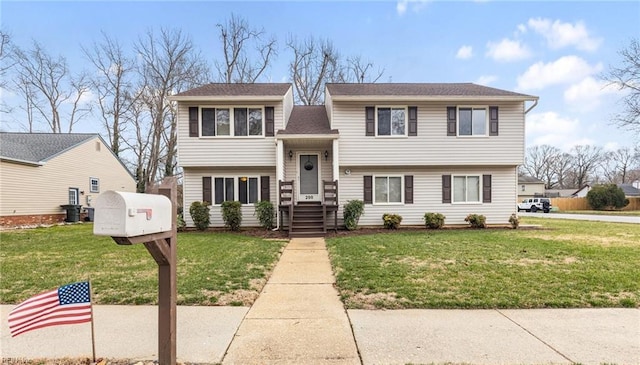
(309, 177)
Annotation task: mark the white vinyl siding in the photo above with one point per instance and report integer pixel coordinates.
(427, 194)
(229, 150)
(431, 146)
(34, 190)
(193, 191)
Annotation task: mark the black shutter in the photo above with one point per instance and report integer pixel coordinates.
(193, 121)
(206, 189)
(370, 121)
(269, 121)
(265, 189)
(493, 120)
(446, 188)
(451, 121)
(368, 190)
(413, 121)
(486, 188)
(219, 186)
(408, 189)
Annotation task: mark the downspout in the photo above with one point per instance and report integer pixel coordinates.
(535, 102)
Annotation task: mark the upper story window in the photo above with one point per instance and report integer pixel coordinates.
(472, 121)
(388, 189)
(391, 121)
(217, 121)
(94, 183)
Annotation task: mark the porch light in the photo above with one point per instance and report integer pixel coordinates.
(326, 155)
(290, 154)
(243, 178)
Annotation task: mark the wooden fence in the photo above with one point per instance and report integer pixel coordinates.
(582, 204)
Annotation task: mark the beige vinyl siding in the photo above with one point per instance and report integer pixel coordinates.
(193, 192)
(432, 146)
(42, 189)
(287, 107)
(427, 194)
(226, 151)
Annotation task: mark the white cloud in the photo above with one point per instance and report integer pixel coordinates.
(567, 69)
(522, 28)
(507, 50)
(465, 52)
(416, 5)
(560, 35)
(611, 146)
(587, 94)
(486, 80)
(552, 129)
(401, 7)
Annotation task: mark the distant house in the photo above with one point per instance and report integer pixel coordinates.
(559, 193)
(629, 190)
(529, 186)
(582, 192)
(39, 172)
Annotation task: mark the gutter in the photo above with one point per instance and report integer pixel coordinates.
(535, 102)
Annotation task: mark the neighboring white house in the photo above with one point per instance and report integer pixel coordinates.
(406, 149)
(582, 192)
(39, 172)
(529, 187)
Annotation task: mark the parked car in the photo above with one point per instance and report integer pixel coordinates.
(535, 204)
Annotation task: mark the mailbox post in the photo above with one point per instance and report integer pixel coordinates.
(149, 219)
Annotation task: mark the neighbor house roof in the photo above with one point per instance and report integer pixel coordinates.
(223, 91)
(308, 119)
(406, 90)
(629, 190)
(37, 148)
(529, 180)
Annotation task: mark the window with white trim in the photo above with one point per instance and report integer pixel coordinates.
(472, 121)
(228, 121)
(243, 189)
(73, 196)
(466, 189)
(94, 185)
(388, 189)
(391, 121)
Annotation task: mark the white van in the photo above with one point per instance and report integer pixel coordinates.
(535, 204)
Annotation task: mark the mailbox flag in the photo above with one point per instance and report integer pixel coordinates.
(69, 304)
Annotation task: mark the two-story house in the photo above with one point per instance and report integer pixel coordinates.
(401, 148)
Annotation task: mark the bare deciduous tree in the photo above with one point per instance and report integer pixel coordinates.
(539, 163)
(47, 81)
(113, 85)
(586, 159)
(562, 170)
(169, 64)
(6, 62)
(627, 77)
(361, 71)
(238, 40)
(616, 165)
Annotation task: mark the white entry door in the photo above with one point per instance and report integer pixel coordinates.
(308, 177)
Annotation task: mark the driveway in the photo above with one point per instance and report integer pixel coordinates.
(584, 217)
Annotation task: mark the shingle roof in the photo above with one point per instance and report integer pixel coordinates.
(270, 89)
(38, 147)
(529, 180)
(308, 119)
(419, 89)
(629, 190)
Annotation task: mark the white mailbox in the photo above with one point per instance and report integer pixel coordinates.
(122, 214)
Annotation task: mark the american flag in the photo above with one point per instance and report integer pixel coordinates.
(69, 304)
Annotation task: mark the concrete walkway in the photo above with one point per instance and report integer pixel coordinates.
(298, 318)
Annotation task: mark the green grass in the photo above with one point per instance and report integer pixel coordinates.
(601, 212)
(568, 264)
(213, 268)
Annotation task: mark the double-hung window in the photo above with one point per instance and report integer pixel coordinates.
(231, 121)
(388, 189)
(392, 121)
(224, 189)
(244, 189)
(248, 190)
(247, 121)
(466, 189)
(472, 121)
(94, 183)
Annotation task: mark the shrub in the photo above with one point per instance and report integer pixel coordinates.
(514, 220)
(476, 220)
(266, 214)
(391, 221)
(352, 212)
(199, 212)
(232, 214)
(434, 220)
(180, 223)
(607, 196)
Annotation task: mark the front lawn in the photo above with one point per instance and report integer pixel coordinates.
(213, 268)
(566, 264)
(601, 212)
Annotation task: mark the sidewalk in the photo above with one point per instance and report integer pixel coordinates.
(298, 319)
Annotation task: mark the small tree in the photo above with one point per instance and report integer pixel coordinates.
(351, 213)
(232, 214)
(266, 213)
(391, 221)
(608, 196)
(476, 220)
(433, 220)
(199, 212)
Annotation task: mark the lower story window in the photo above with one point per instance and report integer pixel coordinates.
(388, 189)
(225, 189)
(73, 196)
(248, 190)
(466, 189)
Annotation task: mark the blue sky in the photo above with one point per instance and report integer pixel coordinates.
(554, 50)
